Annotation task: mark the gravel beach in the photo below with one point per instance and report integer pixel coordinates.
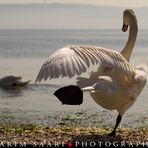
(63, 135)
(81, 128)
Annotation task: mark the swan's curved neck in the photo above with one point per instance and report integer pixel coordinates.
(127, 51)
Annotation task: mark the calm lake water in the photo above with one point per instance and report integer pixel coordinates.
(22, 52)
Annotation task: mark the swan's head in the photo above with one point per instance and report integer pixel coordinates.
(128, 18)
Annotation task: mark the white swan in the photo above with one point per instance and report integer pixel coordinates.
(115, 85)
(11, 81)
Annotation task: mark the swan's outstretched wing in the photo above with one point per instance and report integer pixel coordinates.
(74, 60)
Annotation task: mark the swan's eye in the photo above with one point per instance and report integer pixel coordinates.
(124, 27)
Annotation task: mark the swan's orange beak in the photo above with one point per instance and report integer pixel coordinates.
(124, 27)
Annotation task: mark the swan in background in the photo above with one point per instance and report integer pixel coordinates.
(115, 85)
(11, 81)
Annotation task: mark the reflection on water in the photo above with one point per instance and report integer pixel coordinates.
(11, 91)
(17, 91)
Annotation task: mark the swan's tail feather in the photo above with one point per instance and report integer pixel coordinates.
(88, 89)
(84, 82)
(143, 67)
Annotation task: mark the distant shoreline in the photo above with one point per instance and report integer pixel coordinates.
(64, 29)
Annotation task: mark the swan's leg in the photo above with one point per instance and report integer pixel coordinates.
(118, 120)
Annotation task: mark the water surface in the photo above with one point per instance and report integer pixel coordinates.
(22, 52)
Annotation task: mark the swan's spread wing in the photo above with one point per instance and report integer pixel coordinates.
(74, 60)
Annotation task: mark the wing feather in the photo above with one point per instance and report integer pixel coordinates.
(74, 60)
(83, 56)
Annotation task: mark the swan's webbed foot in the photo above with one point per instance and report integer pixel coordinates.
(113, 133)
(70, 95)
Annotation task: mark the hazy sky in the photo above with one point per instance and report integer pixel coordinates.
(70, 16)
(127, 3)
